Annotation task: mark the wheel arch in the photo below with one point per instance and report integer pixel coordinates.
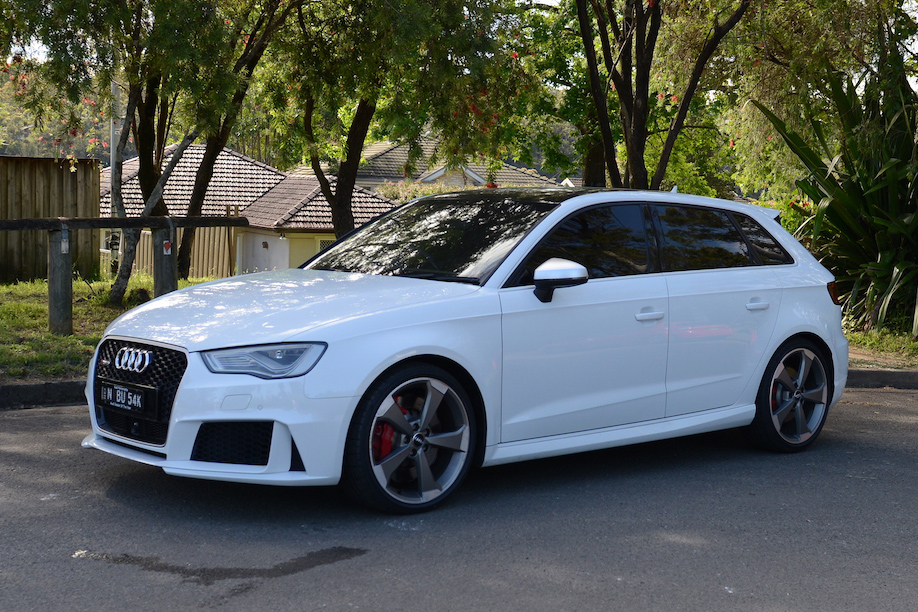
(821, 345)
(465, 379)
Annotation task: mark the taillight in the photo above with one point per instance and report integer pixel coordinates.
(833, 293)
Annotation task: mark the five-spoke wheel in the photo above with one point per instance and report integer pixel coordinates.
(411, 441)
(793, 398)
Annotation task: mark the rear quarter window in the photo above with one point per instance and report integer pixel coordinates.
(768, 250)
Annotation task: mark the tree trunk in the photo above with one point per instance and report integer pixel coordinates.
(128, 237)
(594, 165)
(341, 197)
(205, 172)
(646, 28)
(144, 114)
(629, 67)
(256, 43)
(597, 92)
(149, 170)
(342, 213)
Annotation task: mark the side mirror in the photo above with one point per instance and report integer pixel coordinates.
(556, 273)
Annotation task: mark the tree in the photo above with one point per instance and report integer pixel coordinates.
(22, 134)
(201, 75)
(399, 69)
(628, 34)
(564, 129)
(251, 27)
(778, 57)
(156, 67)
(560, 131)
(865, 184)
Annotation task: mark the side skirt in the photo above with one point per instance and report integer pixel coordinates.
(660, 429)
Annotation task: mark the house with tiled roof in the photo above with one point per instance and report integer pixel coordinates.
(236, 183)
(293, 221)
(289, 217)
(387, 162)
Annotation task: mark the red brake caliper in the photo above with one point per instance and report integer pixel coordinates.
(384, 436)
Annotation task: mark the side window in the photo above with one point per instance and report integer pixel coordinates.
(607, 240)
(700, 238)
(767, 249)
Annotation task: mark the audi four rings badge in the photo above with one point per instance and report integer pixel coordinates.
(133, 359)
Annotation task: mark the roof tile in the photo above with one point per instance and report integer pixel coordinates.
(237, 181)
(297, 203)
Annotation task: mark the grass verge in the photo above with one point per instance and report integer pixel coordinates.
(31, 353)
(898, 350)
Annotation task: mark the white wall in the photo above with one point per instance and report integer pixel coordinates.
(262, 251)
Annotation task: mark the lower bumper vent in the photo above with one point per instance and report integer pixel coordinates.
(237, 442)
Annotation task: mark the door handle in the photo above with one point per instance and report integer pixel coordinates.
(757, 305)
(648, 316)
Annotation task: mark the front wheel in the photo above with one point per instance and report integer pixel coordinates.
(793, 398)
(411, 440)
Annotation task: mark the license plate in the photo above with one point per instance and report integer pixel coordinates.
(131, 398)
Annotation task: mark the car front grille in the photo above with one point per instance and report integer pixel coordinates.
(162, 375)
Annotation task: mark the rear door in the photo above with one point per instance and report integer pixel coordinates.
(723, 306)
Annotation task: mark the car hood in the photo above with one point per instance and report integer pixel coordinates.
(272, 306)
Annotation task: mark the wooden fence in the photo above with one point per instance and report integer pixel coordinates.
(213, 254)
(38, 187)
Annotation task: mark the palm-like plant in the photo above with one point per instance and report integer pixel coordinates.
(865, 189)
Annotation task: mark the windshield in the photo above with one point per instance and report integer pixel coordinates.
(458, 237)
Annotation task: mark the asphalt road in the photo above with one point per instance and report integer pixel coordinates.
(703, 523)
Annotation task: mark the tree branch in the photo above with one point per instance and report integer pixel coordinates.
(157, 193)
(324, 185)
(118, 156)
(717, 35)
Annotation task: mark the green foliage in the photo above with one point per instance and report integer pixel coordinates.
(795, 213)
(866, 192)
(430, 67)
(8, 29)
(403, 191)
(778, 58)
(561, 125)
(29, 351)
(701, 160)
(887, 342)
(77, 129)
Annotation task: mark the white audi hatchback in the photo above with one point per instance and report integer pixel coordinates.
(479, 328)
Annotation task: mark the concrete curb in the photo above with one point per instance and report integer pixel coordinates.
(70, 392)
(877, 379)
(32, 395)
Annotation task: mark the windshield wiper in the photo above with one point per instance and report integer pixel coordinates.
(439, 276)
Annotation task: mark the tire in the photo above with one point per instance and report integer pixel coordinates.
(793, 398)
(411, 441)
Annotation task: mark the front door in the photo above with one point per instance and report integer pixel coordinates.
(595, 356)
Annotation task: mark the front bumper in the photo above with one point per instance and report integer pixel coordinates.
(303, 437)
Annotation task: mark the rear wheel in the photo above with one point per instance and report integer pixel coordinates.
(793, 398)
(411, 441)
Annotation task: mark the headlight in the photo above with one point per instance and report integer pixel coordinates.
(266, 361)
